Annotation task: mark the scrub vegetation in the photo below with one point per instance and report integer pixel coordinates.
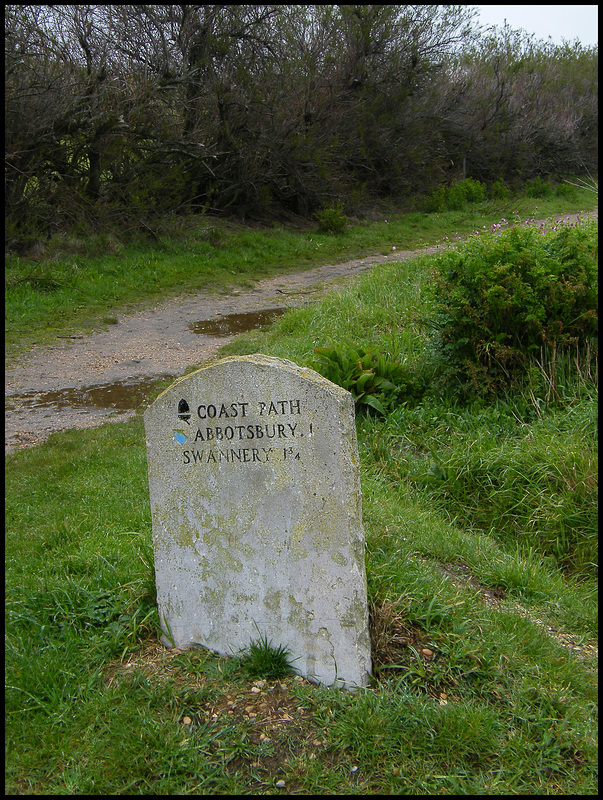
(479, 505)
(119, 115)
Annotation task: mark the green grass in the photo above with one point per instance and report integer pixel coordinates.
(262, 659)
(483, 619)
(74, 283)
(95, 705)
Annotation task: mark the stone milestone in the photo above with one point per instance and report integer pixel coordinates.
(257, 516)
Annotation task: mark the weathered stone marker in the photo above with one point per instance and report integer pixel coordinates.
(257, 519)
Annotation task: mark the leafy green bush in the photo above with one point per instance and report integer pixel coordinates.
(331, 218)
(498, 190)
(472, 190)
(455, 197)
(500, 299)
(565, 190)
(374, 381)
(538, 187)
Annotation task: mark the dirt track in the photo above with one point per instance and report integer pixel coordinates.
(148, 344)
(52, 389)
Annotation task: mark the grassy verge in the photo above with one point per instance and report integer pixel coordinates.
(75, 284)
(481, 563)
(485, 682)
(483, 640)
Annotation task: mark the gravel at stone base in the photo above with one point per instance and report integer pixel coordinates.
(152, 343)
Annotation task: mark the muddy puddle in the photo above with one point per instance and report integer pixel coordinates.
(34, 413)
(131, 393)
(125, 395)
(231, 324)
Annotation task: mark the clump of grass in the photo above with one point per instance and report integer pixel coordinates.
(262, 659)
(590, 184)
(539, 488)
(561, 375)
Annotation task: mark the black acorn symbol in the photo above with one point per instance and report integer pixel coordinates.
(184, 411)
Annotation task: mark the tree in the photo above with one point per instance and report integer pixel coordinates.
(514, 107)
(122, 112)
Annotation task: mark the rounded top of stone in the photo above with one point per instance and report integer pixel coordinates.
(262, 361)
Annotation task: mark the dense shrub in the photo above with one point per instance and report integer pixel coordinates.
(498, 190)
(498, 300)
(331, 218)
(120, 114)
(538, 187)
(455, 196)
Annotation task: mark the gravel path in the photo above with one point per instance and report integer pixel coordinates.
(67, 385)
